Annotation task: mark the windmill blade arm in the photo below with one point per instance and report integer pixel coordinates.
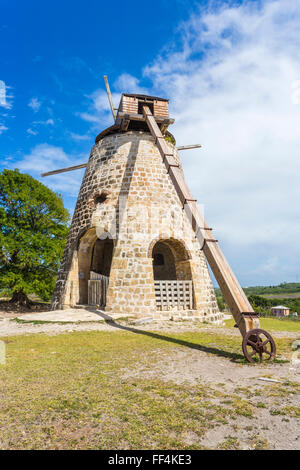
(234, 295)
(189, 147)
(63, 170)
(110, 98)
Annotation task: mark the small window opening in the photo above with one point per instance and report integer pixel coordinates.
(100, 198)
(158, 259)
(145, 103)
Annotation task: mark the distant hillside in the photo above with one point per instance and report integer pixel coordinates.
(262, 298)
(278, 291)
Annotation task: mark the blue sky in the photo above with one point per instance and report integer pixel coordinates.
(53, 58)
(232, 73)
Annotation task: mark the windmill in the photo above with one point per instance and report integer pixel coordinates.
(165, 276)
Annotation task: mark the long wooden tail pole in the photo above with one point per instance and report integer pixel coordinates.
(243, 313)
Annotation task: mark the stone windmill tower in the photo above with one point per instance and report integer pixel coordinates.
(138, 243)
(131, 247)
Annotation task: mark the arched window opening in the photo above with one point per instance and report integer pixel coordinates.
(172, 275)
(163, 262)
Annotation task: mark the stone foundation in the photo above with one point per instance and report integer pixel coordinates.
(216, 318)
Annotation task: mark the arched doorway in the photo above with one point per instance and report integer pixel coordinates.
(94, 264)
(172, 274)
(100, 271)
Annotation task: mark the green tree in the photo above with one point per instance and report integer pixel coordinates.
(34, 227)
(221, 303)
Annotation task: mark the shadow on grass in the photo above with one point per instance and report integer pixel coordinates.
(234, 357)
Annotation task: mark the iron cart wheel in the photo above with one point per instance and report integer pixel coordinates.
(258, 344)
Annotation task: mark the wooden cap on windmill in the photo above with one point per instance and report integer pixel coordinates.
(130, 112)
(130, 115)
(133, 104)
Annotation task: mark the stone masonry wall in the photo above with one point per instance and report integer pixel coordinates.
(140, 206)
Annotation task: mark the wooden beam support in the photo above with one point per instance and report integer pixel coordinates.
(232, 291)
(125, 123)
(164, 126)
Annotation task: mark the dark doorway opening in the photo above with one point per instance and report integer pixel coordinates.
(102, 256)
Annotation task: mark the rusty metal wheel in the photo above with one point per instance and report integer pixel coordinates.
(258, 345)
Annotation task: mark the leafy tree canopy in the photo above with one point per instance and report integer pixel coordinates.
(34, 227)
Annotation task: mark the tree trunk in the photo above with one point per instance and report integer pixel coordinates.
(20, 298)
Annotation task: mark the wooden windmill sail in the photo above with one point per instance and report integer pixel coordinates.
(141, 113)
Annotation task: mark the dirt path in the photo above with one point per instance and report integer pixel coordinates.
(273, 406)
(273, 422)
(10, 327)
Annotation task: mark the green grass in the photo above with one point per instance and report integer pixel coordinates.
(230, 443)
(81, 391)
(273, 324)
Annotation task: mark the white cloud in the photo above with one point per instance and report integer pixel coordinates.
(127, 83)
(35, 124)
(231, 88)
(31, 131)
(99, 112)
(44, 158)
(5, 97)
(34, 104)
(80, 137)
(90, 117)
(268, 266)
(48, 122)
(3, 128)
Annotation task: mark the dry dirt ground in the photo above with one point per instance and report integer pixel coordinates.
(270, 427)
(8, 309)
